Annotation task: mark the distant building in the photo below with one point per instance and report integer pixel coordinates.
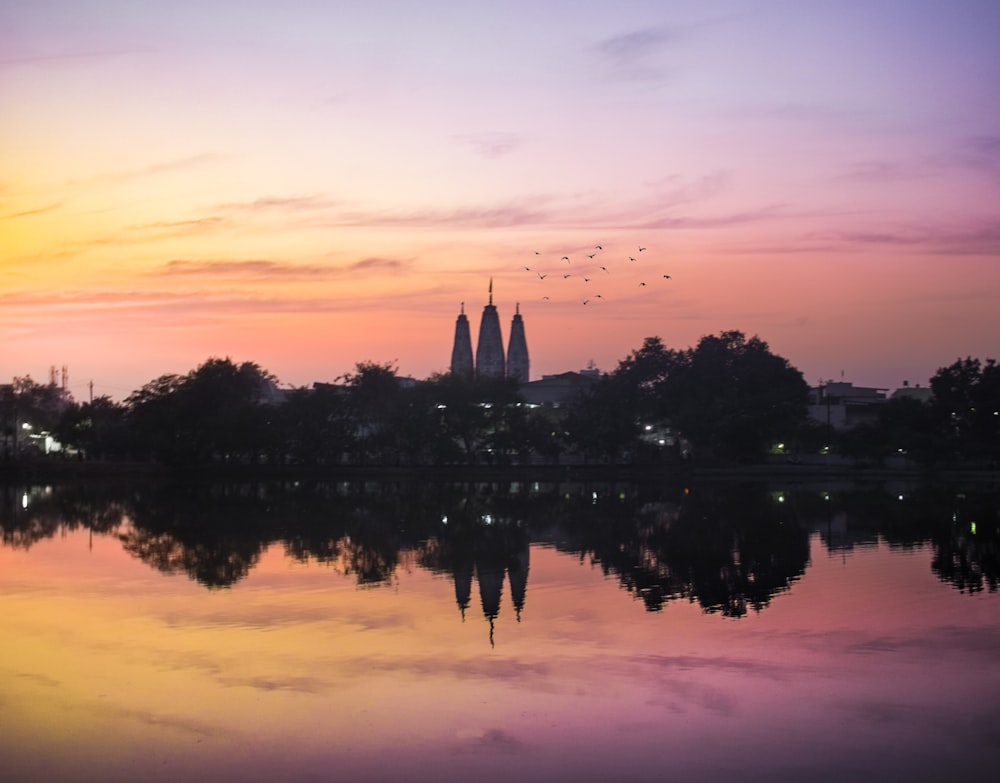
(490, 359)
(918, 392)
(559, 389)
(843, 406)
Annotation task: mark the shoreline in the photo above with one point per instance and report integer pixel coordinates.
(43, 470)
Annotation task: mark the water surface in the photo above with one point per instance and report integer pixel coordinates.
(498, 632)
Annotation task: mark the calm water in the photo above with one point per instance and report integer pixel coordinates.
(587, 632)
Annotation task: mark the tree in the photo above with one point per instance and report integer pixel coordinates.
(218, 411)
(967, 408)
(96, 428)
(732, 396)
(374, 396)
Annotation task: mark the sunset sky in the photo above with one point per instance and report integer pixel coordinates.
(308, 184)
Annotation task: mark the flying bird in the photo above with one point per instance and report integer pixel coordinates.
(605, 269)
(527, 269)
(591, 255)
(541, 276)
(565, 258)
(642, 285)
(565, 276)
(598, 247)
(666, 277)
(641, 249)
(631, 259)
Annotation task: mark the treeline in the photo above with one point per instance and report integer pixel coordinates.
(727, 400)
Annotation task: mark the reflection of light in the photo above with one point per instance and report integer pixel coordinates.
(781, 498)
(24, 500)
(661, 441)
(444, 519)
(972, 528)
(487, 519)
(826, 496)
(649, 427)
(900, 497)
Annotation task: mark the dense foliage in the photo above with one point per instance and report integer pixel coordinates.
(727, 400)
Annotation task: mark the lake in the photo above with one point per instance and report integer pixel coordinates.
(426, 631)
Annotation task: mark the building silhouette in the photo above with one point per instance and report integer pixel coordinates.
(461, 352)
(517, 349)
(490, 360)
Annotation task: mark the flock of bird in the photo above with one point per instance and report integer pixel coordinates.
(587, 271)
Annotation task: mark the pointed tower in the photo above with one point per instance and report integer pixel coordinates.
(489, 352)
(461, 351)
(517, 349)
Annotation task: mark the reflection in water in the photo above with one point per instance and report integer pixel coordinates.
(730, 548)
(712, 632)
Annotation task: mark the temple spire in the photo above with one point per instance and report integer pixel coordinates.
(491, 291)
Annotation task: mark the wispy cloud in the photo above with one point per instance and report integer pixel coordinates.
(760, 214)
(882, 170)
(25, 57)
(261, 268)
(196, 225)
(491, 145)
(30, 212)
(629, 48)
(973, 236)
(278, 204)
(377, 263)
(191, 162)
(504, 216)
(242, 268)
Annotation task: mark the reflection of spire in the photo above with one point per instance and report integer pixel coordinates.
(463, 585)
(517, 570)
(490, 578)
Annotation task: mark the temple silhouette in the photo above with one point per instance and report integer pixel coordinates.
(490, 359)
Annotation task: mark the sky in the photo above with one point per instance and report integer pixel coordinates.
(308, 185)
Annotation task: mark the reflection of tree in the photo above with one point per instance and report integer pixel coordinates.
(29, 514)
(213, 533)
(728, 549)
(967, 552)
(212, 561)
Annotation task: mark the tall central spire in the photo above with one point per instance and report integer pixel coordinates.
(490, 361)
